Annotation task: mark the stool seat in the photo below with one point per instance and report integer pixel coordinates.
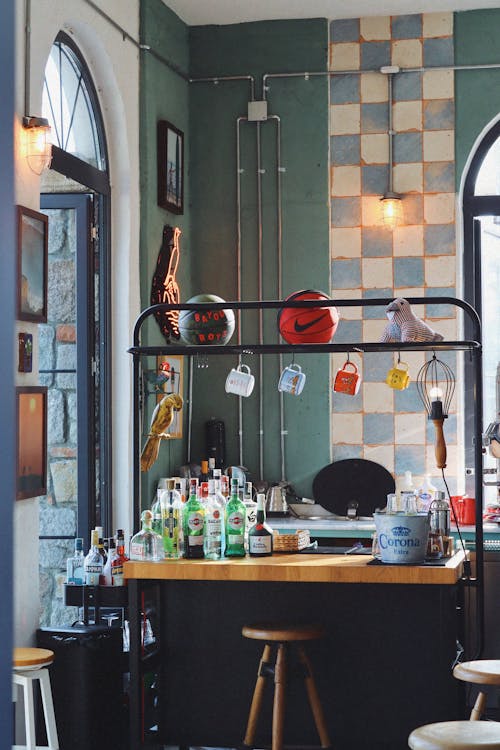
(456, 735)
(481, 672)
(31, 658)
(283, 632)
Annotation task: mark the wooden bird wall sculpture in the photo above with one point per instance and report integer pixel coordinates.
(162, 418)
(404, 325)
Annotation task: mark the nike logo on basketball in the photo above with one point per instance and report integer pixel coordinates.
(300, 328)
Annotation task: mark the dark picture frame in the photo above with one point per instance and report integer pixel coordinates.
(31, 464)
(170, 149)
(32, 254)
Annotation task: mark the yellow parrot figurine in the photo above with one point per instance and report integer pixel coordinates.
(161, 420)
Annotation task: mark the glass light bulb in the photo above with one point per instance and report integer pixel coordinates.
(435, 393)
(392, 210)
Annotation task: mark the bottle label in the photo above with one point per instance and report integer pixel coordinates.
(92, 575)
(236, 521)
(195, 541)
(195, 522)
(136, 551)
(170, 523)
(261, 545)
(213, 525)
(251, 514)
(235, 539)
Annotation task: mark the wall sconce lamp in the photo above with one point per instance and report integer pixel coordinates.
(391, 202)
(37, 145)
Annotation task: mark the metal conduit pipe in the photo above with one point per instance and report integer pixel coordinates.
(223, 79)
(238, 272)
(260, 298)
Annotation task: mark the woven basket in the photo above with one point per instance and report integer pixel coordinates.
(291, 542)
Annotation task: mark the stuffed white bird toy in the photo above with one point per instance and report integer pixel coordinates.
(404, 325)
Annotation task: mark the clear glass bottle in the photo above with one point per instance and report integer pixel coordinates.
(251, 510)
(260, 536)
(193, 523)
(75, 573)
(93, 564)
(235, 517)
(157, 523)
(106, 573)
(146, 545)
(117, 577)
(214, 523)
(171, 513)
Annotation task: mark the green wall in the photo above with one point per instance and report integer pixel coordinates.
(477, 92)
(207, 114)
(302, 106)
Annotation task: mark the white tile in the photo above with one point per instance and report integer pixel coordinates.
(376, 273)
(346, 242)
(409, 291)
(409, 429)
(381, 454)
(347, 428)
(375, 28)
(348, 313)
(374, 88)
(438, 84)
(371, 211)
(407, 116)
(408, 240)
(408, 178)
(447, 328)
(345, 119)
(346, 181)
(437, 24)
(344, 56)
(407, 53)
(439, 145)
(373, 329)
(439, 208)
(377, 397)
(374, 148)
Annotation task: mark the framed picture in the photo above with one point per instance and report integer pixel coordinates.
(170, 167)
(32, 238)
(31, 473)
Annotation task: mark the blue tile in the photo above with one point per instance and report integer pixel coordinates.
(348, 331)
(439, 177)
(346, 274)
(407, 148)
(341, 402)
(346, 212)
(378, 429)
(378, 312)
(408, 400)
(449, 430)
(438, 52)
(376, 366)
(439, 239)
(407, 26)
(439, 114)
(440, 311)
(408, 272)
(449, 358)
(374, 118)
(345, 149)
(375, 54)
(374, 179)
(413, 209)
(344, 89)
(407, 87)
(340, 452)
(376, 242)
(344, 30)
(409, 458)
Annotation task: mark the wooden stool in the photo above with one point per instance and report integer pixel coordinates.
(283, 636)
(30, 664)
(480, 672)
(456, 735)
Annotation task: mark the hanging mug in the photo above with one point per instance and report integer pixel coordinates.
(240, 381)
(292, 380)
(347, 381)
(398, 377)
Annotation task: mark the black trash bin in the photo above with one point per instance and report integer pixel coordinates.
(87, 685)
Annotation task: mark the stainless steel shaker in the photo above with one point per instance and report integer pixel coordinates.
(440, 515)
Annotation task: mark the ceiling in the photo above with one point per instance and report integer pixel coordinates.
(201, 12)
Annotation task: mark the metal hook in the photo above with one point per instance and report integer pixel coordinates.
(399, 357)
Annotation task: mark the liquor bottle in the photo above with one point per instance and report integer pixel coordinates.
(93, 564)
(157, 524)
(193, 523)
(204, 471)
(211, 467)
(251, 510)
(171, 513)
(214, 523)
(146, 544)
(235, 516)
(117, 577)
(102, 549)
(106, 572)
(224, 486)
(260, 536)
(74, 565)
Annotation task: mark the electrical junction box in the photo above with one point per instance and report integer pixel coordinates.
(257, 111)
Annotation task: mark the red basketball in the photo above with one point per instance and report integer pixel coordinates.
(308, 325)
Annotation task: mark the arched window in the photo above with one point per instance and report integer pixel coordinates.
(75, 345)
(481, 209)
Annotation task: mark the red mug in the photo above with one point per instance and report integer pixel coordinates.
(347, 381)
(465, 509)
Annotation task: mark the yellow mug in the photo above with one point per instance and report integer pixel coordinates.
(398, 377)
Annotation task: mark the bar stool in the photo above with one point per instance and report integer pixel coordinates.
(456, 735)
(480, 672)
(30, 664)
(283, 636)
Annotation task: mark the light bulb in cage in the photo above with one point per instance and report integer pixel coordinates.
(436, 386)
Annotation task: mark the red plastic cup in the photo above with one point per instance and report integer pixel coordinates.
(469, 511)
(458, 503)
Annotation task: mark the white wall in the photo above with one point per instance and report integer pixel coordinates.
(114, 67)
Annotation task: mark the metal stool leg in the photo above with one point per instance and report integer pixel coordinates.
(312, 693)
(279, 697)
(258, 695)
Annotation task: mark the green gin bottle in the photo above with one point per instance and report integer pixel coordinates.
(235, 518)
(193, 523)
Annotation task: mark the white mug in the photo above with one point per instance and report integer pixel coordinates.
(240, 381)
(292, 380)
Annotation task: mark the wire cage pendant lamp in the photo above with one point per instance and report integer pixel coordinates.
(436, 386)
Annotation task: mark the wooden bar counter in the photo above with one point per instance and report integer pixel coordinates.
(383, 669)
